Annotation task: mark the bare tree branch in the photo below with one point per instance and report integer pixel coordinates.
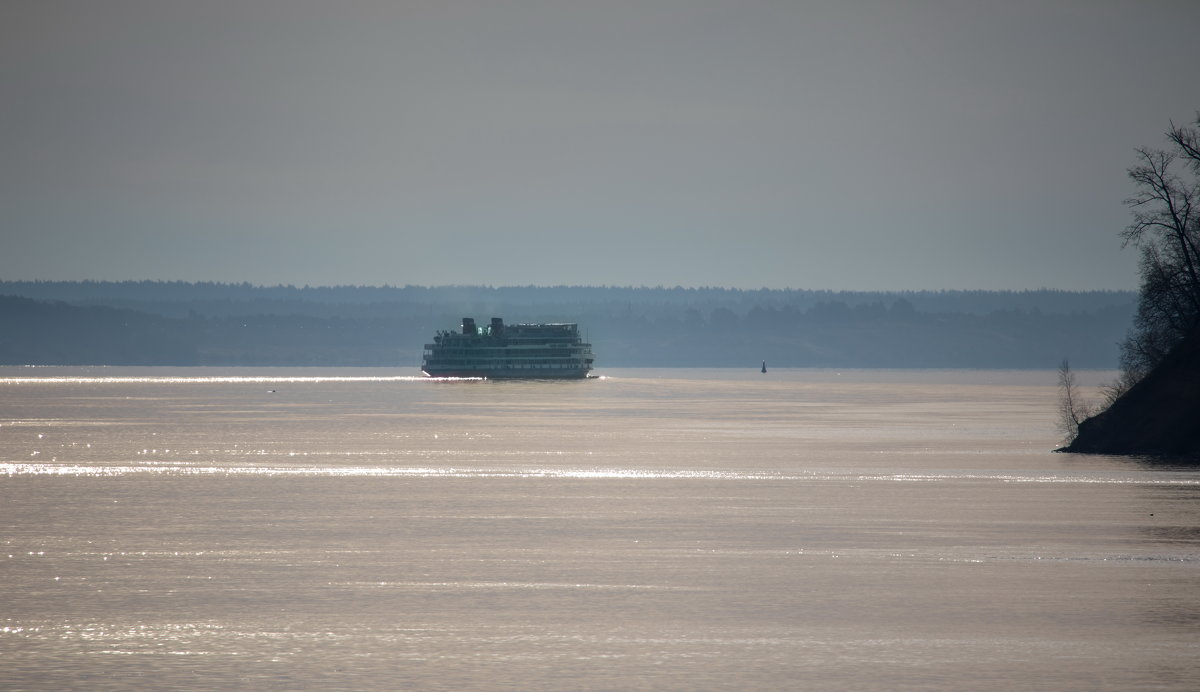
(1166, 227)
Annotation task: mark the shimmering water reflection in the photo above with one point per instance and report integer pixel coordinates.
(652, 530)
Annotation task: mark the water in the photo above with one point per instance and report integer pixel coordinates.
(654, 529)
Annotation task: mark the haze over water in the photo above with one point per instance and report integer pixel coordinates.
(654, 529)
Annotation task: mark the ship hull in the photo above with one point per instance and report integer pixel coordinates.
(510, 374)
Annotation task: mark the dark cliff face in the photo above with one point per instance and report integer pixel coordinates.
(1159, 416)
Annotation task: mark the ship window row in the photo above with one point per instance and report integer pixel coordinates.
(513, 343)
(464, 363)
(530, 353)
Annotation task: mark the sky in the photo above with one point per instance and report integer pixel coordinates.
(843, 145)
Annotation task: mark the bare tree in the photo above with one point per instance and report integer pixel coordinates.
(1071, 409)
(1166, 228)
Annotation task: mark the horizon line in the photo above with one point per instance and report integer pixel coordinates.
(627, 287)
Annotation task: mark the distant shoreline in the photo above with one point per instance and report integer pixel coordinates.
(210, 324)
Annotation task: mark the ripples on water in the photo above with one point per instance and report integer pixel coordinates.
(197, 529)
(56, 469)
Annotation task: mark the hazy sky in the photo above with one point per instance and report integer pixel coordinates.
(841, 144)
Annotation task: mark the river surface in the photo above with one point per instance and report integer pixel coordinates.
(313, 529)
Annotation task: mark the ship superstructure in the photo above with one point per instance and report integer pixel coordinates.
(501, 350)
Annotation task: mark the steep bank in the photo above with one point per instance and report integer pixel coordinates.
(1159, 416)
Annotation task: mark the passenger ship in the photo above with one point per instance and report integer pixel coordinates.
(509, 351)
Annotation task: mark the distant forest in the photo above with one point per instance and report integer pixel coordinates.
(181, 323)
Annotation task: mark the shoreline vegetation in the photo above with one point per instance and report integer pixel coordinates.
(186, 324)
(1154, 409)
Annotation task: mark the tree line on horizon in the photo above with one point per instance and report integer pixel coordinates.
(170, 297)
(239, 324)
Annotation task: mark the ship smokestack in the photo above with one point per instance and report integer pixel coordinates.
(497, 327)
(469, 326)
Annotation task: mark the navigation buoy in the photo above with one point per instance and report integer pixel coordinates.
(764, 369)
